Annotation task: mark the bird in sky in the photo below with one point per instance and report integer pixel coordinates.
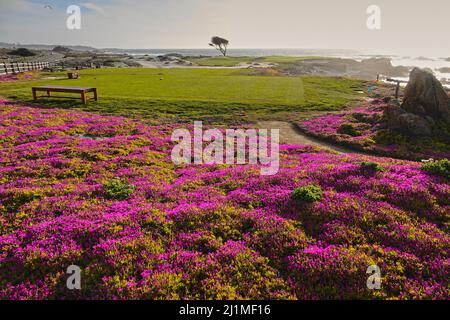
(47, 6)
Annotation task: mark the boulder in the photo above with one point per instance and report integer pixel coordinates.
(444, 70)
(391, 113)
(414, 124)
(425, 103)
(406, 122)
(425, 96)
(383, 66)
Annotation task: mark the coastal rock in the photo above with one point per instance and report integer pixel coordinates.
(406, 122)
(414, 124)
(391, 113)
(425, 103)
(339, 67)
(425, 96)
(444, 70)
(383, 66)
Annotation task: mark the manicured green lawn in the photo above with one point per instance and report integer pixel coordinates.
(220, 61)
(286, 59)
(230, 61)
(215, 95)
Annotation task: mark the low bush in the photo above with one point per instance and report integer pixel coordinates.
(371, 167)
(23, 52)
(116, 189)
(309, 193)
(348, 128)
(438, 167)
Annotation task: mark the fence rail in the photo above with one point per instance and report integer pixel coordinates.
(16, 67)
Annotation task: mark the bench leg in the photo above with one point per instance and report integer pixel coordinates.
(95, 95)
(83, 97)
(48, 93)
(34, 95)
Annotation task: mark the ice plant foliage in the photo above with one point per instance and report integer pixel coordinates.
(17, 76)
(364, 128)
(234, 146)
(102, 193)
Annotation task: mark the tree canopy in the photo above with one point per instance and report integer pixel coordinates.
(220, 44)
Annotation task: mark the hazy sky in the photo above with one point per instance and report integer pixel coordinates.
(411, 27)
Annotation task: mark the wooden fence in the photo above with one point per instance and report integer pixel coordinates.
(16, 67)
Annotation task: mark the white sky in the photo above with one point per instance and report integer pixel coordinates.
(413, 27)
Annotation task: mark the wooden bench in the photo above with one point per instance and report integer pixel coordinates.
(81, 90)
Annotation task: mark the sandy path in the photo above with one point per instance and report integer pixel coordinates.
(289, 134)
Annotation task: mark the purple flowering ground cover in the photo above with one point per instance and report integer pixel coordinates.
(18, 76)
(364, 128)
(101, 192)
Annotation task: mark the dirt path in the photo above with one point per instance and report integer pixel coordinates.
(289, 134)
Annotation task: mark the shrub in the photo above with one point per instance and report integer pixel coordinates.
(371, 167)
(438, 167)
(309, 193)
(132, 64)
(117, 189)
(388, 137)
(348, 128)
(23, 52)
(366, 118)
(61, 49)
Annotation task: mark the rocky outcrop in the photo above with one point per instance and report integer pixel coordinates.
(424, 95)
(444, 70)
(365, 69)
(383, 66)
(400, 120)
(425, 103)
